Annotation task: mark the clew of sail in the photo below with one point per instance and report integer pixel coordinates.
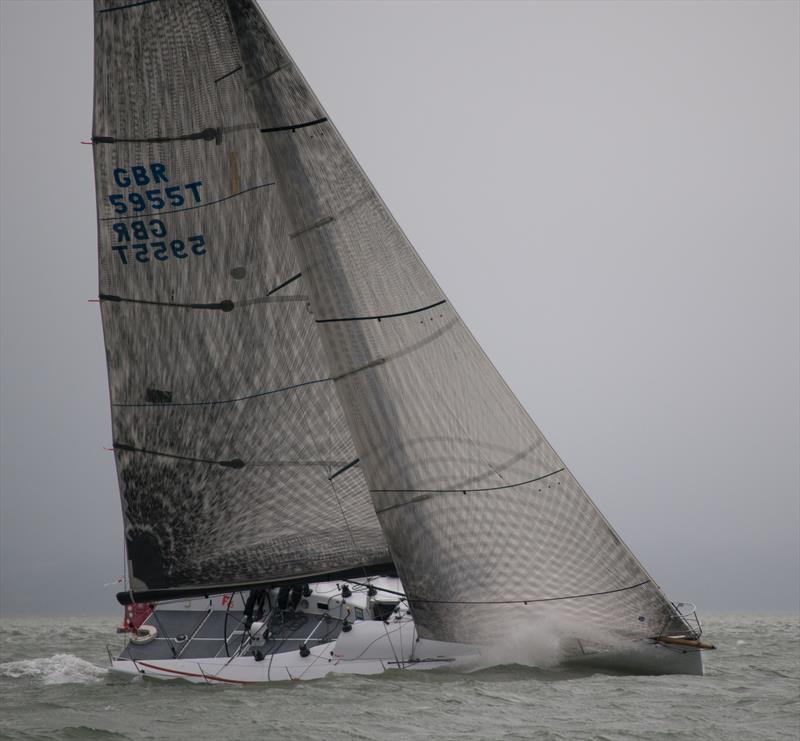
(228, 431)
(487, 527)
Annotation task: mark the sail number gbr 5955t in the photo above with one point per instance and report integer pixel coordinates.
(145, 238)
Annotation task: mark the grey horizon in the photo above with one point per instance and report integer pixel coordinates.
(645, 236)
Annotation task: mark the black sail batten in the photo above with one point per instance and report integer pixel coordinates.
(163, 595)
(204, 305)
(426, 407)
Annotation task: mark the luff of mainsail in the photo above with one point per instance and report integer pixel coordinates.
(487, 527)
(233, 454)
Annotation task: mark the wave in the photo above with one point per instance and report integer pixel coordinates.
(56, 669)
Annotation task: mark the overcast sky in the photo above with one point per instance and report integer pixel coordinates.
(607, 192)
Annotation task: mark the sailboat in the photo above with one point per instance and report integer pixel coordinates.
(320, 469)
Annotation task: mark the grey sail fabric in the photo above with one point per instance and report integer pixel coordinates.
(232, 449)
(487, 527)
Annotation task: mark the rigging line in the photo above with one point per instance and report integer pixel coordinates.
(210, 134)
(352, 540)
(464, 491)
(372, 586)
(125, 7)
(219, 401)
(347, 525)
(225, 624)
(164, 633)
(373, 642)
(455, 416)
(381, 316)
(293, 127)
(120, 217)
(525, 601)
(196, 630)
(234, 463)
(356, 549)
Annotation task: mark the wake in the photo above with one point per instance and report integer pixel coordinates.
(57, 669)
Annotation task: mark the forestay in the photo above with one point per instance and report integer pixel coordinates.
(228, 432)
(487, 527)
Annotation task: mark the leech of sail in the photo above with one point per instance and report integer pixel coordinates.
(525, 601)
(292, 127)
(120, 217)
(220, 401)
(381, 316)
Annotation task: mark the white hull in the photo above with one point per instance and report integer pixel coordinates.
(372, 647)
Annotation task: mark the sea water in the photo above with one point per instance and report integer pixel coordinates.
(54, 684)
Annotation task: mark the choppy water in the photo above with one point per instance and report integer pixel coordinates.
(54, 685)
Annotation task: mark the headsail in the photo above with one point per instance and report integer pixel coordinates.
(485, 523)
(233, 453)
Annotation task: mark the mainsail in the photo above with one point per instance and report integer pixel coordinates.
(240, 390)
(231, 445)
